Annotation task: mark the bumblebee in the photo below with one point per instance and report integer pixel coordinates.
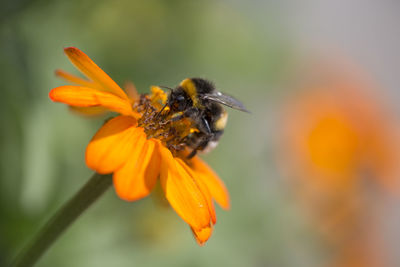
(198, 99)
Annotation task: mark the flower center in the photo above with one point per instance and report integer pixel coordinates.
(157, 122)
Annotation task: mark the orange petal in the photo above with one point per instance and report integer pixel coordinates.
(203, 188)
(214, 184)
(89, 97)
(131, 91)
(111, 146)
(75, 79)
(89, 111)
(182, 192)
(138, 176)
(82, 62)
(203, 234)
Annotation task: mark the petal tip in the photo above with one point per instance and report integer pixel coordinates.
(58, 72)
(74, 52)
(71, 49)
(227, 206)
(202, 235)
(52, 95)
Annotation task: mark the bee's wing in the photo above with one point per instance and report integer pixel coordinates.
(226, 100)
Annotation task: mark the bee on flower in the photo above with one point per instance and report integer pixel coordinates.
(155, 137)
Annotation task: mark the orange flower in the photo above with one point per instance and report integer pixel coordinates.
(342, 146)
(337, 133)
(140, 145)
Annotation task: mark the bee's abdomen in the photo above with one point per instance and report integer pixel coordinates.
(220, 122)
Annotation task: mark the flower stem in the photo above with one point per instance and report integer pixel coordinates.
(62, 219)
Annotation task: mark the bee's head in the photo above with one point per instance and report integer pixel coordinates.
(178, 100)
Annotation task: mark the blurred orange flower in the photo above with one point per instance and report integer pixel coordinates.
(336, 134)
(341, 146)
(139, 148)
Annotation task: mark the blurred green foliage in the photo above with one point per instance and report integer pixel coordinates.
(242, 49)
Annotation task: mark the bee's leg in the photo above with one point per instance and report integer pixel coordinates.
(161, 110)
(200, 146)
(204, 126)
(177, 117)
(192, 154)
(191, 113)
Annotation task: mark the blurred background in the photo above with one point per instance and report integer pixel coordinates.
(313, 172)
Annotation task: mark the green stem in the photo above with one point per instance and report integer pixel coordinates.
(63, 218)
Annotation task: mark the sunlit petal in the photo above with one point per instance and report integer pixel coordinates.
(89, 111)
(138, 176)
(93, 72)
(76, 80)
(182, 192)
(203, 188)
(89, 97)
(131, 91)
(111, 146)
(214, 184)
(203, 234)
